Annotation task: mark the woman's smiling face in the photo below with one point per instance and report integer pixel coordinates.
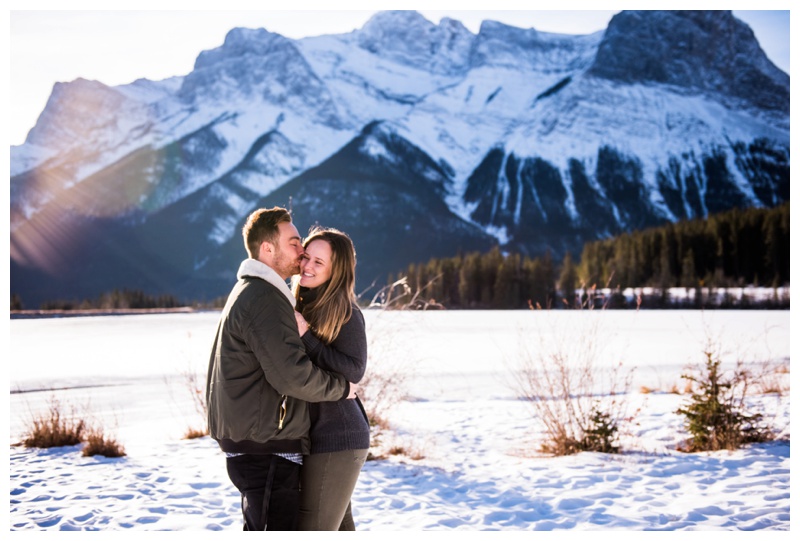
(315, 267)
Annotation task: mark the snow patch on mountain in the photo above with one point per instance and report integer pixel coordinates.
(223, 224)
(147, 91)
(28, 156)
(500, 45)
(408, 38)
(365, 85)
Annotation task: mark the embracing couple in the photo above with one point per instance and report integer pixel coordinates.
(282, 378)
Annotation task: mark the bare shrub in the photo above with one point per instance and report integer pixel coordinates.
(399, 295)
(772, 377)
(384, 384)
(581, 404)
(197, 390)
(99, 443)
(53, 428)
(194, 386)
(389, 367)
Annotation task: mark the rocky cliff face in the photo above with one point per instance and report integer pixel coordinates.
(702, 51)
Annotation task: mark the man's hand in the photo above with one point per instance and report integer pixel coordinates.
(353, 391)
(302, 324)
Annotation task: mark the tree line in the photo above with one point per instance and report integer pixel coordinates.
(731, 249)
(118, 299)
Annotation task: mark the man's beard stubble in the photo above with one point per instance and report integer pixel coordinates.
(287, 265)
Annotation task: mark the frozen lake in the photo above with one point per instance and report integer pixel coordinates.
(132, 368)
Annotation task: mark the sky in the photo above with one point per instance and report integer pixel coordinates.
(158, 40)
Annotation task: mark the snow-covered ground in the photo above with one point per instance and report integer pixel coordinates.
(471, 459)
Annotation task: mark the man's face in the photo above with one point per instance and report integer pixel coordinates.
(284, 256)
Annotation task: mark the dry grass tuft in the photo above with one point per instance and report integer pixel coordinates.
(194, 433)
(378, 422)
(98, 443)
(411, 451)
(53, 429)
(413, 454)
(396, 450)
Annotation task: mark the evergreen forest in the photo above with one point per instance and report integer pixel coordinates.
(737, 248)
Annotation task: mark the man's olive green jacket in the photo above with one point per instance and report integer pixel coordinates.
(259, 376)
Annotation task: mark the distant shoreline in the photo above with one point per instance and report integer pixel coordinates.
(44, 314)
(31, 314)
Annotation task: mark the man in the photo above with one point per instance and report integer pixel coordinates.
(260, 378)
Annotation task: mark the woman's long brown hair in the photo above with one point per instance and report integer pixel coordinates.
(333, 303)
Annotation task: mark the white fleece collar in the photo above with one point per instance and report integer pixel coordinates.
(257, 269)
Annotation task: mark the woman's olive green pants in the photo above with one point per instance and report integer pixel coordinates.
(327, 481)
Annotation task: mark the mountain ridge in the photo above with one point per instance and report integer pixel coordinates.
(538, 141)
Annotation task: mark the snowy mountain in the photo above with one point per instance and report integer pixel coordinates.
(417, 139)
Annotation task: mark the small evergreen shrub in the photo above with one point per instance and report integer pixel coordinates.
(715, 415)
(598, 437)
(601, 433)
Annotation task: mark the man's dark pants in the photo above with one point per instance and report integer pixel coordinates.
(257, 476)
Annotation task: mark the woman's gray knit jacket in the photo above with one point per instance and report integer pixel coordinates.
(342, 425)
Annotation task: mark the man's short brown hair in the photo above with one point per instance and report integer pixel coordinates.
(262, 225)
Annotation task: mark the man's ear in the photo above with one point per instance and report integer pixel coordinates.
(266, 247)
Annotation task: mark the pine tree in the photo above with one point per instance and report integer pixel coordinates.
(568, 281)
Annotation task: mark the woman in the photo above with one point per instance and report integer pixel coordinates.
(332, 328)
